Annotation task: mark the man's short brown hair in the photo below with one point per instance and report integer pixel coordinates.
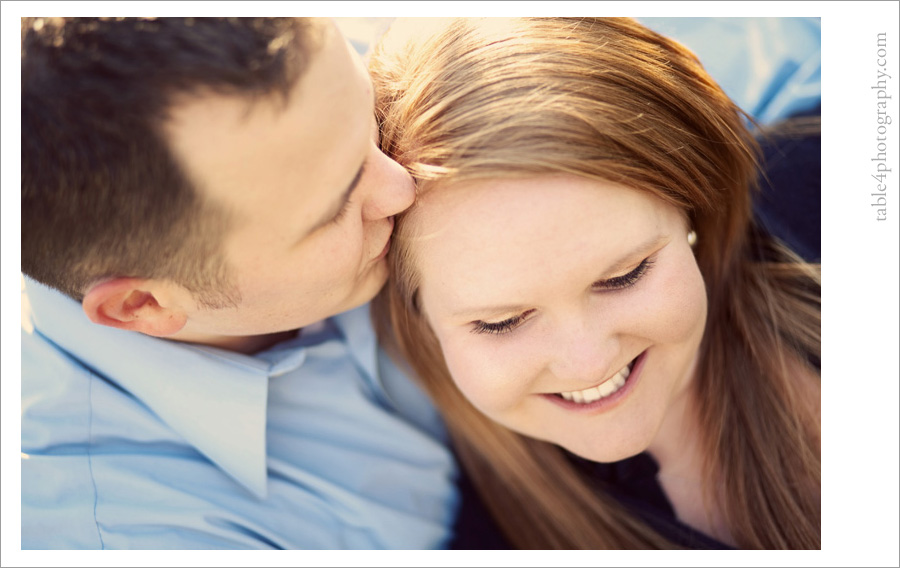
(102, 194)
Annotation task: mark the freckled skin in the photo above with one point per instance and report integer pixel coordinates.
(537, 245)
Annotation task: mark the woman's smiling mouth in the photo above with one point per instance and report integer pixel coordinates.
(604, 394)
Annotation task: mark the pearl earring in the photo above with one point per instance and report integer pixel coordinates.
(692, 237)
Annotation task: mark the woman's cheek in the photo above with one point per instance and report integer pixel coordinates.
(690, 304)
(673, 307)
(488, 371)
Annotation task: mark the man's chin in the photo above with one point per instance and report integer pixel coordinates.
(375, 281)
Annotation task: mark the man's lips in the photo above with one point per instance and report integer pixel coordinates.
(384, 251)
(387, 244)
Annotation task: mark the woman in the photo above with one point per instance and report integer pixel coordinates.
(583, 290)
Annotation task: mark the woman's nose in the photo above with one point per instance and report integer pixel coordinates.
(584, 352)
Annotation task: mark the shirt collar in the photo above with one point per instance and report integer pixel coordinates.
(214, 399)
(356, 327)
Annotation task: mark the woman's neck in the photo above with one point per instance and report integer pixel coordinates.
(678, 450)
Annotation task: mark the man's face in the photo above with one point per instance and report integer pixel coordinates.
(312, 198)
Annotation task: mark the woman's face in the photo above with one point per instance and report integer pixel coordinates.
(568, 309)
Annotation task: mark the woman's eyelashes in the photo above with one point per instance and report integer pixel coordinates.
(615, 283)
(625, 280)
(504, 326)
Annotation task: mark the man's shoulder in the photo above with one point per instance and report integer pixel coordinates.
(132, 441)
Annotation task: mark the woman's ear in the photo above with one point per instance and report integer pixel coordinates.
(131, 304)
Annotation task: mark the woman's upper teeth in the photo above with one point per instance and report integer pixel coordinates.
(602, 390)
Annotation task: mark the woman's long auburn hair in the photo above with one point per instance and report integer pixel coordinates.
(608, 99)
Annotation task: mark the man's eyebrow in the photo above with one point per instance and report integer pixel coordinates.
(345, 197)
(341, 203)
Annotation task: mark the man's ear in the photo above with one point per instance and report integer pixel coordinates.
(130, 303)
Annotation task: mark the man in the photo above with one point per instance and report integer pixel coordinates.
(194, 192)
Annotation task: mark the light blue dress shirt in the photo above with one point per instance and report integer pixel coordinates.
(770, 67)
(130, 441)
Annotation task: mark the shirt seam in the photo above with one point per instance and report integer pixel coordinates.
(90, 445)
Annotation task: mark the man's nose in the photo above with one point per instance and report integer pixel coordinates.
(392, 189)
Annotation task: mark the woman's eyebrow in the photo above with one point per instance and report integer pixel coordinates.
(627, 259)
(488, 312)
(619, 264)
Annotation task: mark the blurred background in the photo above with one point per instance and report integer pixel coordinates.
(771, 67)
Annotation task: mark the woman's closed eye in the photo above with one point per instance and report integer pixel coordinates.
(625, 280)
(504, 326)
(609, 284)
